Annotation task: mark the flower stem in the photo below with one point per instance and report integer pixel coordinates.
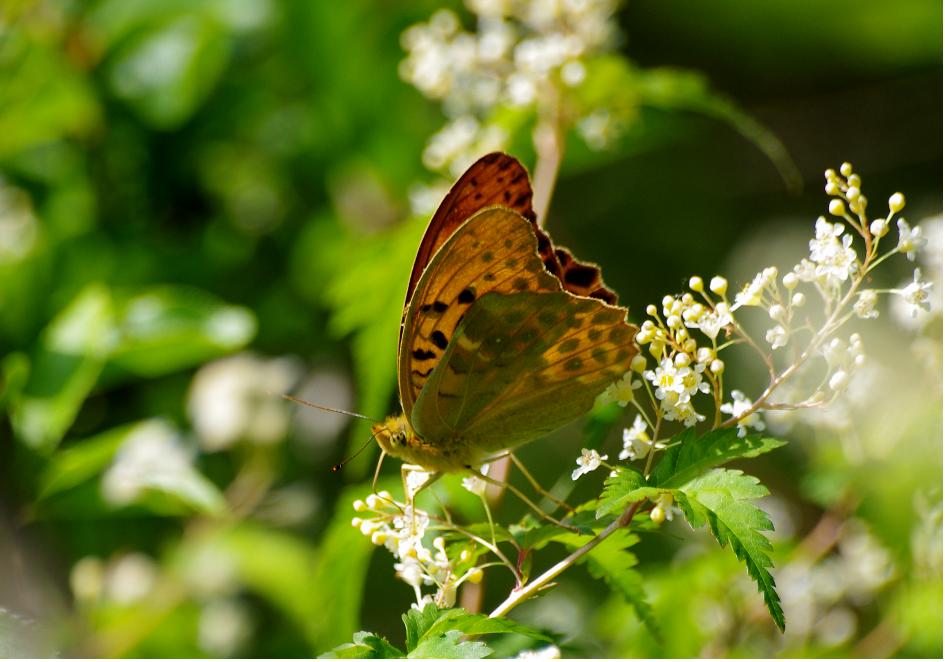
(516, 597)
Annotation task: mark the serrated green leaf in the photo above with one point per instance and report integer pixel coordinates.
(612, 562)
(449, 646)
(622, 489)
(720, 499)
(691, 455)
(430, 632)
(367, 645)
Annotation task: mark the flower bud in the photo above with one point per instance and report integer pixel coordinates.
(879, 227)
(790, 280)
(832, 188)
(776, 312)
(839, 379)
(705, 354)
(474, 575)
(356, 522)
(651, 310)
(385, 495)
(638, 363)
(717, 367)
(837, 207)
(829, 174)
(896, 202)
(667, 301)
(798, 299)
(846, 169)
(853, 193)
(658, 515)
(696, 285)
(378, 538)
(681, 360)
(690, 345)
(854, 180)
(642, 337)
(359, 506)
(718, 285)
(682, 335)
(674, 322)
(464, 556)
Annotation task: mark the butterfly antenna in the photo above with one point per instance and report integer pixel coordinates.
(324, 408)
(337, 467)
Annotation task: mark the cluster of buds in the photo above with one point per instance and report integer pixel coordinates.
(402, 529)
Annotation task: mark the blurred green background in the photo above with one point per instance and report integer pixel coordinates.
(204, 204)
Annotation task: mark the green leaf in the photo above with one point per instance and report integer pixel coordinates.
(720, 499)
(366, 646)
(169, 328)
(83, 460)
(612, 562)
(691, 455)
(626, 487)
(435, 633)
(64, 368)
(449, 646)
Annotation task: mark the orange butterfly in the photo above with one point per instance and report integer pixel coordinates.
(504, 337)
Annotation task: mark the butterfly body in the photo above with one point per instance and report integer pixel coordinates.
(504, 337)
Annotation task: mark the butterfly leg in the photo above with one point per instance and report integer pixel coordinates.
(538, 488)
(528, 502)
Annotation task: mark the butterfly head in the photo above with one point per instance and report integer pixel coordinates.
(394, 435)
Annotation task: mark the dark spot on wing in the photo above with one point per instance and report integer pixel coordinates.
(468, 295)
(423, 354)
(438, 339)
(488, 256)
(568, 345)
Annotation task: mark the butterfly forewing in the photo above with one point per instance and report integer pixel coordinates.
(494, 251)
(495, 179)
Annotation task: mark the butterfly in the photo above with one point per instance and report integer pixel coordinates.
(504, 337)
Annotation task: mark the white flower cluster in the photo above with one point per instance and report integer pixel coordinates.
(519, 50)
(401, 528)
(684, 335)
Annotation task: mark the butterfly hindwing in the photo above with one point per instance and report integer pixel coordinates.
(494, 251)
(521, 365)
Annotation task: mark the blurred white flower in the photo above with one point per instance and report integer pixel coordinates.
(224, 626)
(910, 239)
(737, 408)
(475, 484)
(210, 570)
(238, 398)
(865, 306)
(636, 441)
(87, 579)
(152, 456)
(916, 294)
(547, 653)
(19, 228)
(130, 578)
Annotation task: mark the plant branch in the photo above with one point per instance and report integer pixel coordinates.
(517, 596)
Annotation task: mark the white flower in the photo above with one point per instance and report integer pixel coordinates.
(665, 378)
(916, 293)
(414, 481)
(589, 460)
(475, 484)
(910, 239)
(237, 398)
(224, 627)
(622, 390)
(865, 306)
(831, 253)
(737, 408)
(636, 441)
(777, 336)
(751, 294)
(713, 321)
(151, 457)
